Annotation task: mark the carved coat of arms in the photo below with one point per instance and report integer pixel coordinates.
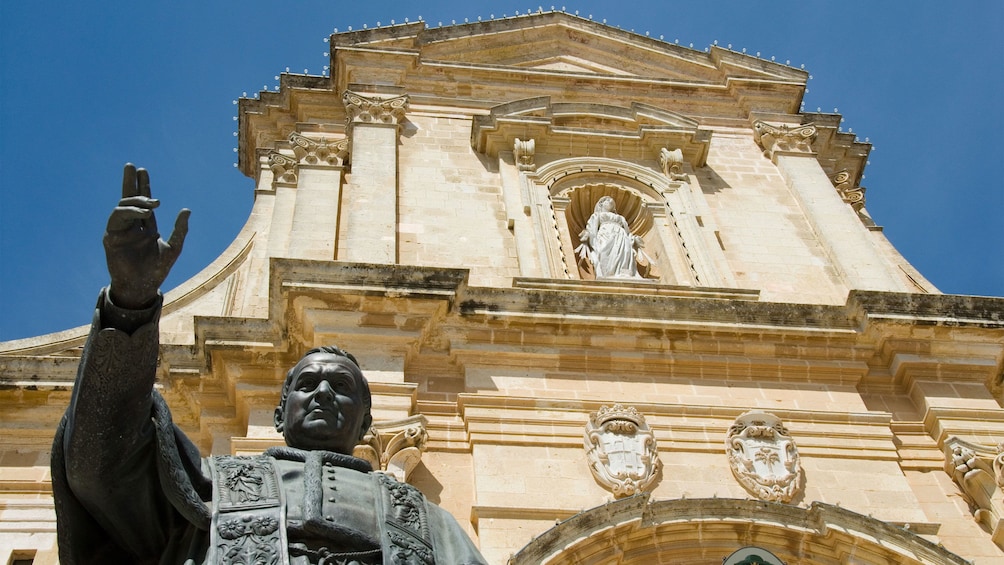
(621, 450)
(763, 456)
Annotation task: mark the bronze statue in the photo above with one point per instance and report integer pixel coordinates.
(129, 487)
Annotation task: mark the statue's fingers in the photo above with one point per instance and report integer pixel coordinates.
(143, 187)
(140, 202)
(177, 239)
(129, 180)
(122, 217)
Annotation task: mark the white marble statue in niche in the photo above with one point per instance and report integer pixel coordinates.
(608, 249)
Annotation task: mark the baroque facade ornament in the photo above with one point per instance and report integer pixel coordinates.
(853, 195)
(672, 164)
(621, 450)
(319, 151)
(367, 110)
(524, 152)
(283, 167)
(784, 139)
(395, 447)
(978, 471)
(763, 456)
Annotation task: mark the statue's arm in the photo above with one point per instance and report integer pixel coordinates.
(108, 442)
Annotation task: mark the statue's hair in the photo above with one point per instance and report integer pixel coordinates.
(596, 208)
(333, 350)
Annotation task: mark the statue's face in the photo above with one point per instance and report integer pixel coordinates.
(324, 408)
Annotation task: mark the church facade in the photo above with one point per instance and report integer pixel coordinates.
(618, 301)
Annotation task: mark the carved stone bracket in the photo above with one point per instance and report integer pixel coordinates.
(524, 152)
(366, 110)
(319, 151)
(977, 469)
(763, 456)
(621, 450)
(672, 164)
(395, 447)
(283, 167)
(784, 139)
(853, 195)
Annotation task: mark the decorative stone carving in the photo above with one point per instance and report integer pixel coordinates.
(395, 447)
(621, 450)
(523, 150)
(763, 456)
(784, 139)
(853, 195)
(283, 167)
(672, 164)
(363, 109)
(319, 151)
(977, 471)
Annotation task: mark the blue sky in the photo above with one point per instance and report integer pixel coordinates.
(86, 87)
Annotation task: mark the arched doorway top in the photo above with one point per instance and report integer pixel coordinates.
(706, 530)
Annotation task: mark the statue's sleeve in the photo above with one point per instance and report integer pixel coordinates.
(108, 458)
(453, 545)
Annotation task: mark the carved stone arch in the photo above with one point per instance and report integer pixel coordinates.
(639, 531)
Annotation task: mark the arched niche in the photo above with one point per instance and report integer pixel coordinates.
(579, 201)
(638, 531)
(573, 187)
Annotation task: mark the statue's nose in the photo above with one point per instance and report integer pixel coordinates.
(324, 391)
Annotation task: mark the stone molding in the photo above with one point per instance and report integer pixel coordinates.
(395, 447)
(784, 139)
(621, 450)
(570, 130)
(361, 109)
(763, 457)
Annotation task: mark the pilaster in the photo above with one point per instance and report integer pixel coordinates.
(373, 125)
(835, 224)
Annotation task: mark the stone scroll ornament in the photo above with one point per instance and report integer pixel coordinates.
(763, 456)
(621, 450)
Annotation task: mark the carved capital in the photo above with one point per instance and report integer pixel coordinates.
(365, 110)
(672, 164)
(784, 139)
(853, 195)
(977, 470)
(763, 456)
(524, 152)
(621, 450)
(395, 447)
(319, 151)
(283, 167)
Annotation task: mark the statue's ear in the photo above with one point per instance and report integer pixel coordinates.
(277, 419)
(367, 422)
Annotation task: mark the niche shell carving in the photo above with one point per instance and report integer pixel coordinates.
(763, 456)
(621, 450)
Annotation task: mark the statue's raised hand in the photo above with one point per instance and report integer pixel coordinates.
(138, 259)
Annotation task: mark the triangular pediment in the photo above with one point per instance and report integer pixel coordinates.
(558, 41)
